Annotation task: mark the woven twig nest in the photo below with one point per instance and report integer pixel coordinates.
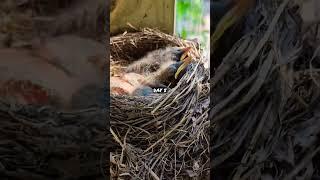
(163, 135)
(266, 101)
(42, 143)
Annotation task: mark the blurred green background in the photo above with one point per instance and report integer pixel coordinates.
(193, 21)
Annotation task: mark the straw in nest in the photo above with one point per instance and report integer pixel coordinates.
(266, 100)
(161, 136)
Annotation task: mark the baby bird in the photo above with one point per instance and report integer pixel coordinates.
(162, 67)
(159, 68)
(129, 84)
(64, 72)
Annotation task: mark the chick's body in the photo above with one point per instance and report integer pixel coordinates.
(64, 72)
(158, 66)
(155, 69)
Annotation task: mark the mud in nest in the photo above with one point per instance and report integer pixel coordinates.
(163, 135)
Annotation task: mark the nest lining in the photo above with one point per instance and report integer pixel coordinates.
(163, 135)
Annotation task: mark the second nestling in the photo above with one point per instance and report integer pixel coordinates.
(159, 68)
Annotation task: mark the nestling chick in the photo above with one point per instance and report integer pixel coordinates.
(126, 84)
(64, 72)
(160, 67)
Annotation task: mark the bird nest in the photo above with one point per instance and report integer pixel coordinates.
(266, 100)
(42, 143)
(163, 135)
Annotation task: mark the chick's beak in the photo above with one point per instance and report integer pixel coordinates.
(185, 52)
(186, 61)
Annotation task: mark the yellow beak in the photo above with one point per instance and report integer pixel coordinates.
(186, 61)
(183, 66)
(185, 53)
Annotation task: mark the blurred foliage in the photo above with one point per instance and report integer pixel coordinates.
(190, 22)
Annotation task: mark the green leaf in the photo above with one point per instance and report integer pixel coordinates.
(184, 33)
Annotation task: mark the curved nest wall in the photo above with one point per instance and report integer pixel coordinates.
(163, 135)
(42, 143)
